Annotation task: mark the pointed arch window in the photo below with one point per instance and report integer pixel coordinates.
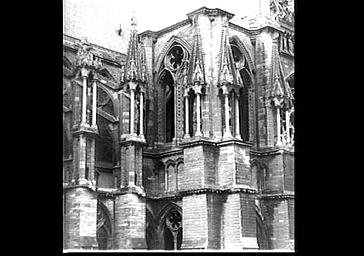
(170, 94)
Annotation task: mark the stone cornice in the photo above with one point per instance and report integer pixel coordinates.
(210, 12)
(167, 153)
(196, 142)
(255, 31)
(180, 194)
(205, 141)
(267, 152)
(87, 131)
(67, 186)
(276, 196)
(128, 139)
(177, 195)
(156, 34)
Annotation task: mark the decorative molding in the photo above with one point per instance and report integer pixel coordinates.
(245, 52)
(172, 152)
(276, 196)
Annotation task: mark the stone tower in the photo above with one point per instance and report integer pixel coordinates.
(130, 212)
(80, 197)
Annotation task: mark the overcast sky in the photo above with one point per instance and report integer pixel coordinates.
(99, 20)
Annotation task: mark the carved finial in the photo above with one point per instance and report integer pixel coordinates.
(85, 57)
(133, 21)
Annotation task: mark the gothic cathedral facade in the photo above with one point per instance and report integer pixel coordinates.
(186, 141)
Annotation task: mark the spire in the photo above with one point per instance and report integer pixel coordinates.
(227, 71)
(197, 70)
(279, 91)
(135, 66)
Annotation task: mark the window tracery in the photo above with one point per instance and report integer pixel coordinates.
(174, 58)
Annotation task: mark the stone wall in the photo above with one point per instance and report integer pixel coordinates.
(80, 219)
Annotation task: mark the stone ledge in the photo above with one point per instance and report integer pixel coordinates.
(67, 186)
(276, 196)
(181, 194)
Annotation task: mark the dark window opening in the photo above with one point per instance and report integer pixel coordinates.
(244, 105)
(236, 53)
(167, 84)
(191, 115)
(244, 113)
(104, 142)
(86, 173)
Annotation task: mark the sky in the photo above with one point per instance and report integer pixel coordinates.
(98, 20)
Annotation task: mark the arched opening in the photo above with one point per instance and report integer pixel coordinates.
(173, 231)
(104, 154)
(104, 142)
(244, 105)
(170, 226)
(150, 231)
(262, 237)
(102, 238)
(167, 84)
(104, 232)
(191, 113)
(171, 178)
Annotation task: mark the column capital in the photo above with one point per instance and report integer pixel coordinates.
(225, 90)
(197, 87)
(84, 72)
(185, 92)
(132, 85)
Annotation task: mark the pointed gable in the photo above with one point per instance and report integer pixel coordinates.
(135, 68)
(227, 71)
(279, 89)
(196, 67)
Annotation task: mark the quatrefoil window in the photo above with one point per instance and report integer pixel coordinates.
(174, 221)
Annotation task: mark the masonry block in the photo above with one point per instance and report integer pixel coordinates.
(276, 216)
(130, 221)
(194, 222)
(80, 219)
(234, 165)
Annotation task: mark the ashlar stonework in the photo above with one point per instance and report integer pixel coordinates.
(186, 142)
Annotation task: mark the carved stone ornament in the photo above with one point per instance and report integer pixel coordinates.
(85, 57)
(282, 10)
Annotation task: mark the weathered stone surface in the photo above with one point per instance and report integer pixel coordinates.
(219, 185)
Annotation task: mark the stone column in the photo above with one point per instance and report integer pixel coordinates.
(279, 139)
(132, 108)
(237, 120)
(198, 109)
(227, 133)
(92, 163)
(141, 117)
(187, 132)
(84, 96)
(82, 160)
(94, 103)
(288, 136)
